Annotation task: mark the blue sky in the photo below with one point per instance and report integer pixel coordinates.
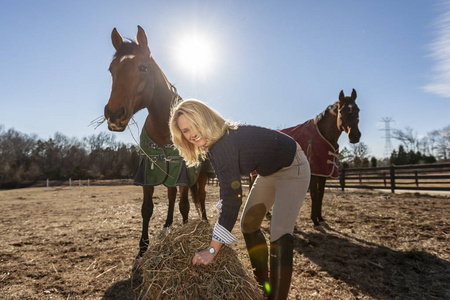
(275, 63)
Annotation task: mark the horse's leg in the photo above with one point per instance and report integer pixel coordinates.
(321, 190)
(194, 193)
(314, 192)
(172, 195)
(201, 193)
(147, 212)
(184, 203)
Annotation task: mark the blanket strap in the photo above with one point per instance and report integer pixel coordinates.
(333, 162)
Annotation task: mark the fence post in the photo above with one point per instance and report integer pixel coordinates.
(70, 183)
(417, 178)
(392, 171)
(342, 179)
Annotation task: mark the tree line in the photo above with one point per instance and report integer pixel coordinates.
(26, 159)
(434, 147)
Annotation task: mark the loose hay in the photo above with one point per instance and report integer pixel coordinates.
(168, 272)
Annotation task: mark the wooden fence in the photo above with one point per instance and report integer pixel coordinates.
(245, 180)
(426, 177)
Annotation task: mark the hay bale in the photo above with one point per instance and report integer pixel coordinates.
(168, 272)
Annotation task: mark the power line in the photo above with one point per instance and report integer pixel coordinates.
(387, 129)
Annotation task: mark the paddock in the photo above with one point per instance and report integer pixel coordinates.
(80, 243)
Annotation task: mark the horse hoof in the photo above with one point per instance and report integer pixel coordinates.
(325, 224)
(136, 271)
(163, 232)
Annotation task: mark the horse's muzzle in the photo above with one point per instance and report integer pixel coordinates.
(117, 120)
(114, 127)
(354, 136)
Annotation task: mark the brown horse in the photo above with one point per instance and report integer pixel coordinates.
(318, 138)
(138, 83)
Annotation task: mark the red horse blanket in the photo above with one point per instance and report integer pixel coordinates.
(321, 154)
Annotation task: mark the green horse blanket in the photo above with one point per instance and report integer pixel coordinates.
(162, 164)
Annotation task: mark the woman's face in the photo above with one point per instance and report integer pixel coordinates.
(189, 133)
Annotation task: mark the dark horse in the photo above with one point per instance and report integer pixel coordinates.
(138, 83)
(318, 138)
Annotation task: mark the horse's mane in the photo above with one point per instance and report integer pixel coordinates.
(176, 96)
(330, 109)
(126, 48)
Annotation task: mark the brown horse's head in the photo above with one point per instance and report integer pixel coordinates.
(130, 70)
(348, 116)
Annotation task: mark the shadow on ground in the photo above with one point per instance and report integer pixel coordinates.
(130, 289)
(374, 269)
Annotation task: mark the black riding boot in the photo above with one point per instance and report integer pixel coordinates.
(259, 257)
(281, 256)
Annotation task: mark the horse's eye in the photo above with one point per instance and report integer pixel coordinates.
(143, 68)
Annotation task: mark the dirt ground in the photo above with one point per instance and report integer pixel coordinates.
(80, 243)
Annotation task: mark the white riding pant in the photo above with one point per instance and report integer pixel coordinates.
(283, 190)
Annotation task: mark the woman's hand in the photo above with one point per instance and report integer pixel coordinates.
(203, 258)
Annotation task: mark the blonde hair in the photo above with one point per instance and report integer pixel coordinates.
(201, 118)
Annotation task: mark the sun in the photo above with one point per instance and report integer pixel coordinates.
(195, 54)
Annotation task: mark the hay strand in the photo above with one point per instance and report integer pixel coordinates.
(168, 272)
(97, 121)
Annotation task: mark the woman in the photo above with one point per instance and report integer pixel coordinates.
(199, 132)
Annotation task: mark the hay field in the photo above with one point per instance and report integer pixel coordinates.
(80, 243)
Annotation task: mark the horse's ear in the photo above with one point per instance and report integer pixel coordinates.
(142, 37)
(353, 95)
(116, 39)
(341, 96)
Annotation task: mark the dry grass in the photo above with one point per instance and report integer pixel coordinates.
(168, 272)
(80, 243)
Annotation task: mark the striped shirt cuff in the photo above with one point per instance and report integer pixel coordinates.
(221, 234)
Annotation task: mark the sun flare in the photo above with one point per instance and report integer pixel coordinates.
(195, 54)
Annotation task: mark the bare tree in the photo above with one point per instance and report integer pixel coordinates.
(439, 141)
(360, 154)
(102, 140)
(443, 145)
(433, 140)
(345, 158)
(423, 145)
(408, 138)
(15, 151)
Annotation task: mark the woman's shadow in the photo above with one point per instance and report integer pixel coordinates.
(374, 269)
